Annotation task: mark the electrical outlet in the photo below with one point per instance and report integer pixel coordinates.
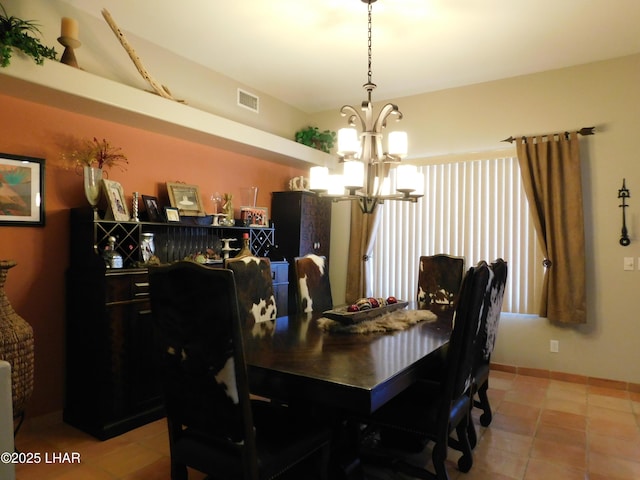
(554, 346)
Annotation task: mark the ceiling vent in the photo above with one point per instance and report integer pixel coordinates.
(249, 101)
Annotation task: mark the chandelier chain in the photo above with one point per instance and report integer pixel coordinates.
(369, 74)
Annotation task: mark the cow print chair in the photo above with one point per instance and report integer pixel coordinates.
(214, 425)
(256, 300)
(486, 342)
(439, 281)
(432, 408)
(312, 282)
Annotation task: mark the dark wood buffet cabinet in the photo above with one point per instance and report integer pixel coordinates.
(112, 385)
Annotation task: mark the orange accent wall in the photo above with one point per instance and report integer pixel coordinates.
(36, 286)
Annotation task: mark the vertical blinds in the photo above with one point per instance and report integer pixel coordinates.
(474, 209)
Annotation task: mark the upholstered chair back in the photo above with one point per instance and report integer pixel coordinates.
(256, 300)
(439, 282)
(312, 282)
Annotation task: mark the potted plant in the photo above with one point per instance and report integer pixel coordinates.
(14, 33)
(313, 137)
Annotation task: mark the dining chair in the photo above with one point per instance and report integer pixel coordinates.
(439, 281)
(254, 283)
(486, 342)
(214, 425)
(313, 292)
(433, 408)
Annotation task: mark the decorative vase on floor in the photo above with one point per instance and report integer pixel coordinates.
(16, 347)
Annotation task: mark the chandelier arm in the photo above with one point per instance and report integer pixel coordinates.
(388, 110)
(353, 114)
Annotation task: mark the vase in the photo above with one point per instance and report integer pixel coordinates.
(147, 247)
(92, 179)
(16, 347)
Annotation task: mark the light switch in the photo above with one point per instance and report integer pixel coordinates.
(628, 263)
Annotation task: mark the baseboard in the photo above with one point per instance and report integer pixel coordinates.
(568, 377)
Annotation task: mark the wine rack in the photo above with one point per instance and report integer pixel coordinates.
(173, 241)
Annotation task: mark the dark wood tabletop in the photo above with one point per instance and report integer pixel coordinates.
(292, 359)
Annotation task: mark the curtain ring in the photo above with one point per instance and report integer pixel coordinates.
(546, 263)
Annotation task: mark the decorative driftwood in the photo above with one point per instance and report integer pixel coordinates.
(157, 87)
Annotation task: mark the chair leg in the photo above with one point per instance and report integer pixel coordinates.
(465, 462)
(178, 471)
(323, 462)
(486, 417)
(471, 433)
(439, 456)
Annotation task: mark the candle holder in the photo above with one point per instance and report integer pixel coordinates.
(623, 193)
(68, 56)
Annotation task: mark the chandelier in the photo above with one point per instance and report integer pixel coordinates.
(365, 177)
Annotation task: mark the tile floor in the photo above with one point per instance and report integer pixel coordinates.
(542, 429)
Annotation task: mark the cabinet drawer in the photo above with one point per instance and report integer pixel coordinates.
(280, 272)
(122, 287)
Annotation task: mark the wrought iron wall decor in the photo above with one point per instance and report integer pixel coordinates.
(623, 193)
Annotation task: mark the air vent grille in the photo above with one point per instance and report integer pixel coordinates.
(247, 100)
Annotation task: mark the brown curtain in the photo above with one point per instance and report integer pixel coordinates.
(551, 174)
(362, 233)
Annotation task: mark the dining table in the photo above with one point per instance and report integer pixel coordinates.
(295, 361)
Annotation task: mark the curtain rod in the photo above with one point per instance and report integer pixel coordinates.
(582, 131)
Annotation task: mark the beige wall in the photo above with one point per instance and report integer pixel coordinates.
(475, 118)
(102, 55)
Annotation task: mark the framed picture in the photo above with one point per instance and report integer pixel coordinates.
(21, 190)
(254, 216)
(153, 211)
(115, 198)
(172, 214)
(186, 198)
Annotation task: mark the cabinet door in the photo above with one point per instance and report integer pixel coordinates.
(145, 382)
(315, 225)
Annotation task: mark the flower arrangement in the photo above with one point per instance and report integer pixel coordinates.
(99, 154)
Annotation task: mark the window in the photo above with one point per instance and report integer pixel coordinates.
(474, 209)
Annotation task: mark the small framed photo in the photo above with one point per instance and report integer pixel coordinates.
(153, 211)
(116, 200)
(172, 214)
(21, 191)
(186, 198)
(254, 216)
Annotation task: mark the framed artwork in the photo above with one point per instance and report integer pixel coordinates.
(186, 198)
(254, 216)
(153, 211)
(172, 214)
(116, 200)
(21, 190)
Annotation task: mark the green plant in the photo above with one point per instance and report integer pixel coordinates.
(14, 32)
(313, 137)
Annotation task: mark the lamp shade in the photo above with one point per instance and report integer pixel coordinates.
(318, 179)
(419, 184)
(353, 174)
(406, 178)
(348, 143)
(398, 144)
